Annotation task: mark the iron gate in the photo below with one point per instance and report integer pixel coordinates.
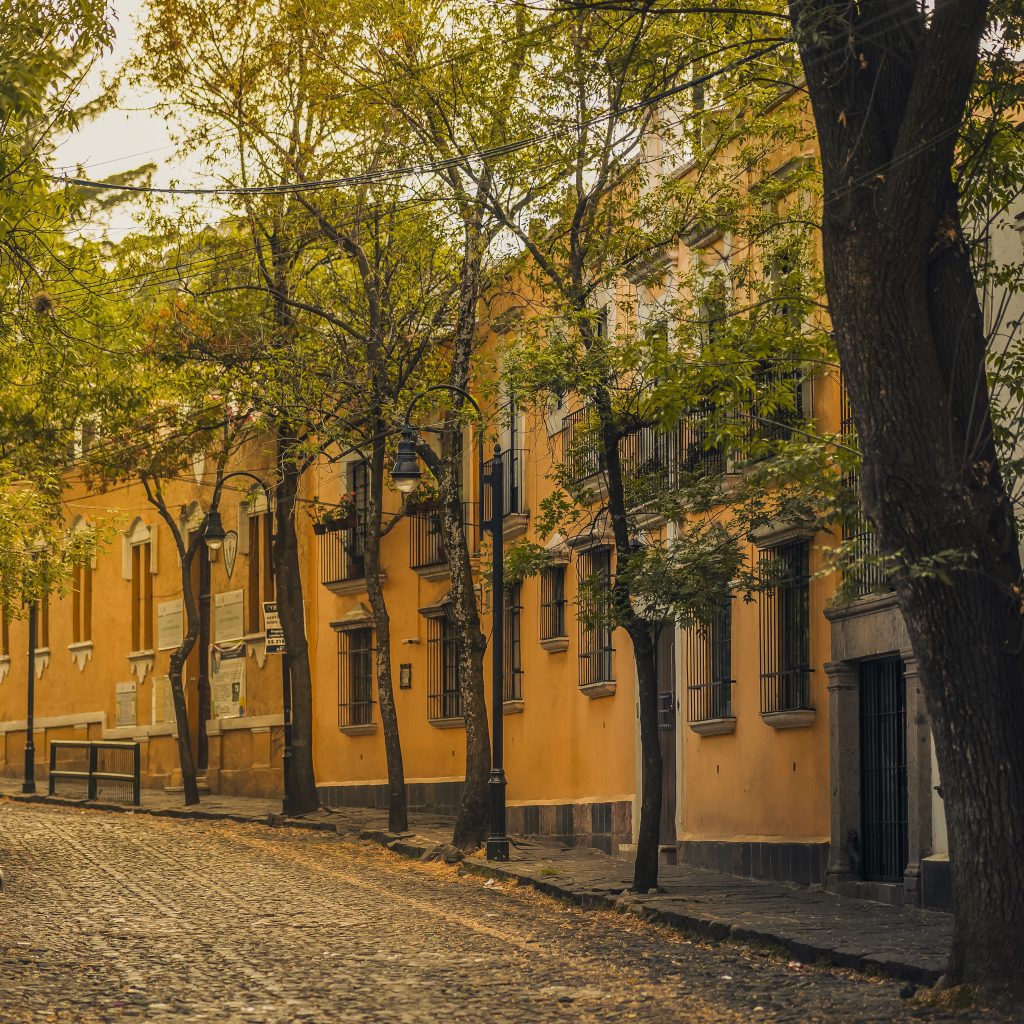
(883, 770)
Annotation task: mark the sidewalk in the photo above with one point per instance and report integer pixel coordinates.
(812, 926)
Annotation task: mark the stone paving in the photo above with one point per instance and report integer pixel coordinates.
(129, 917)
(810, 925)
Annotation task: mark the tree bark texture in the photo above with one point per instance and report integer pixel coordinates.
(186, 756)
(645, 866)
(888, 93)
(398, 812)
(302, 783)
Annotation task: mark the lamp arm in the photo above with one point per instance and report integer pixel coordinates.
(453, 388)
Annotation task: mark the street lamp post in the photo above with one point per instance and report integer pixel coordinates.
(213, 534)
(29, 785)
(406, 475)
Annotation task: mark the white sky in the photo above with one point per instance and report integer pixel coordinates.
(122, 138)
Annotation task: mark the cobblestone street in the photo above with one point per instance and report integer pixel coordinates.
(110, 917)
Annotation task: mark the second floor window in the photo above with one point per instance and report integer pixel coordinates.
(785, 628)
(552, 602)
(81, 603)
(260, 581)
(142, 597)
(513, 683)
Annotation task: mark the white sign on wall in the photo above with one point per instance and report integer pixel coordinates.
(227, 680)
(227, 614)
(163, 700)
(170, 625)
(127, 706)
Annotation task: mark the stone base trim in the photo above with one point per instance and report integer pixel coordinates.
(800, 863)
(603, 824)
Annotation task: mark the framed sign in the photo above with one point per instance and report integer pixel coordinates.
(227, 616)
(230, 552)
(405, 676)
(170, 624)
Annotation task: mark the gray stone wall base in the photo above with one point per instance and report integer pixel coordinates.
(604, 824)
(800, 863)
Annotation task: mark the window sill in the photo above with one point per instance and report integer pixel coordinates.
(512, 707)
(605, 689)
(448, 723)
(81, 653)
(555, 644)
(433, 572)
(714, 726)
(514, 525)
(42, 660)
(141, 663)
(357, 585)
(799, 718)
(359, 730)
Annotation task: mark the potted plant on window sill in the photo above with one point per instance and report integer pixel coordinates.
(331, 518)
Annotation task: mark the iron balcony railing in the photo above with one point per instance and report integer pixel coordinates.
(513, 498)
(426, 547)
(865, 573)
(654, 459)
(342, 555)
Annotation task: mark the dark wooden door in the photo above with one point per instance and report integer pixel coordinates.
(883, 770)
(667, 705)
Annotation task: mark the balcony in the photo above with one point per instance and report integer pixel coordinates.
(514, 514)
(342, 560)
(426, 547)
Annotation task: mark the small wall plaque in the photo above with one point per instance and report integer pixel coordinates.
(405, 676)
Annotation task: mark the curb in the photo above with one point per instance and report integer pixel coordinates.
(416, 847)
(717, 930)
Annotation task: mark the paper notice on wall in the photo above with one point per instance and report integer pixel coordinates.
(227, 614)
(170, 625)
(227, 680)
(272, 628)
(163, 700)
(127, 708)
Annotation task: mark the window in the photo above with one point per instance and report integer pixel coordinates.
(594, 603)
(552, 602)
(709, 668)
(355, 537)
(260, 581)
(43, 622)
(5, 634)
(81, 603)
(444, 697)
(356, 655)
(785, 628)
(513, 682)
(142, 597)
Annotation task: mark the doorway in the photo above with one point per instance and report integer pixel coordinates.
(197, 665)
(666, 672)
(883, 770)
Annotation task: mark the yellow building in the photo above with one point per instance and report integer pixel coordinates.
(102, 651)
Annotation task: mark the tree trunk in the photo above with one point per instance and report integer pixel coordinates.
(302, 794)
(398, 812)
(186, 552)
(912, 346)
(645, 868)
(471, 823)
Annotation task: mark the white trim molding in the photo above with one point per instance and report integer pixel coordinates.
(81, 653)
(142, 663)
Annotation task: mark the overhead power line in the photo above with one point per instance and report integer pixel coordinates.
(429, 167)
